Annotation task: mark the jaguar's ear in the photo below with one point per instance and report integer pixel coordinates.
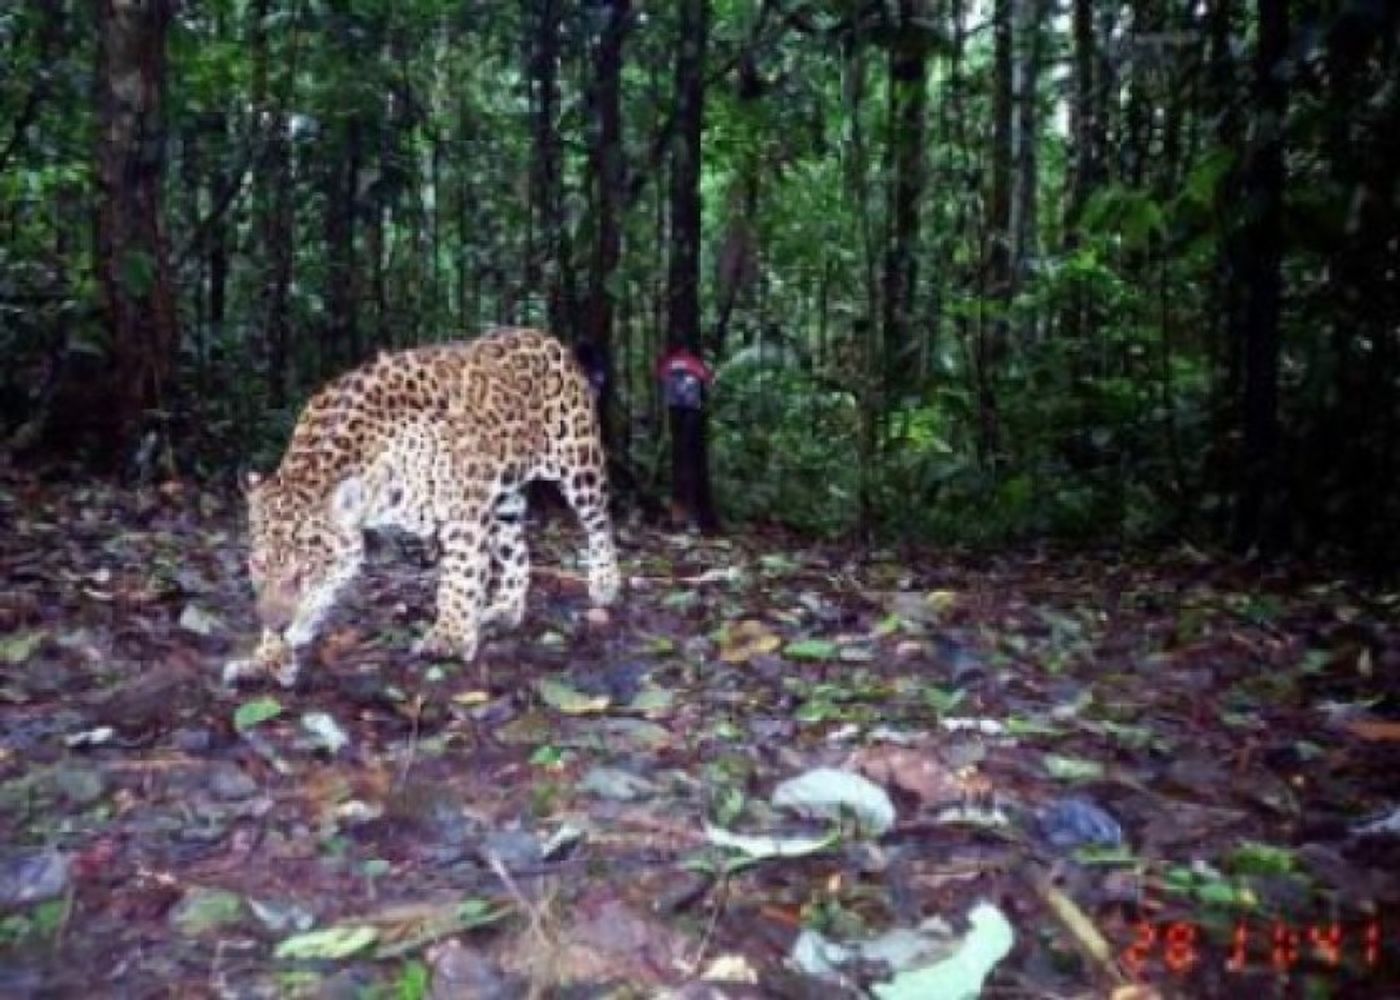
(348, 503)
(251, 481)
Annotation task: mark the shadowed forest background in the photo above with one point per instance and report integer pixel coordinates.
(970, 276)
(966, 271)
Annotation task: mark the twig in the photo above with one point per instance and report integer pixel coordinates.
(533, 912)
(1082, 929)
(412, 754)
(721, 894)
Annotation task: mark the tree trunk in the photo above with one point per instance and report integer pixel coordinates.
(607, 179)
(908, 96)
(1028, 16)
(219, 245)
(550, 269)
(1003, 107)
(1259, 510)
(342, 183)
(133, 270)
(1085, 169)
(690, 472)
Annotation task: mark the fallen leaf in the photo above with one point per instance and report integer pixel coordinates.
(744, 640)
(255, 712)
(563, 698)
(1375, 730)
(15, 649)
(1073, 768)
(914, 772)
(760, 847)
(329, 943)
(326, 730)
(961, 975)
(810, 649)
(195, 619)
(830, 794)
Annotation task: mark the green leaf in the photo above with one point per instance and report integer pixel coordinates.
(1200, 186)
(810, 649)
(331, 943)
(652, 700)
(563, 698)
(549, 756)
(1073, 769)
(15, 649)
(413, 981)
(138, 273)
(477, 912)
(1031, 727)
(943, 701)
(255, 712)
(1254, 858)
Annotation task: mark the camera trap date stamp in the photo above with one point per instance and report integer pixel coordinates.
(1358, 948)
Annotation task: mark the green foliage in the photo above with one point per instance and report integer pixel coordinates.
(386, 150)
(779, 441)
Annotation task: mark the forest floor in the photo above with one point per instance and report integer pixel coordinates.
(1089, 773)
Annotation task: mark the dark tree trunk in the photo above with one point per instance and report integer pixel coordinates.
(1086, 165)
(343, 337)
(690, 467)
(278, 236)
(218, 247)
(550, 266)
(908, 95)
(1224, 107)
(1030, 38)
(274, 211)
(607, 178)
(1259, 510)
(1003, 107)
(132, 265)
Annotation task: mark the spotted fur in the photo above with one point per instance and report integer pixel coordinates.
(437, 441)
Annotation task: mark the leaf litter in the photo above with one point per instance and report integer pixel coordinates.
(803, 769)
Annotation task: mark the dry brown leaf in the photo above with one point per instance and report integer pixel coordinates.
(1377, 730)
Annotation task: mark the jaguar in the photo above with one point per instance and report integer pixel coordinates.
(438, 441)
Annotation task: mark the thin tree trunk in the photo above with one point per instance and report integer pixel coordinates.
(690, 472)
(133, 270)
(1259, 511)
(908, 96)
(607, 171)
(1028, 16)
(549, 261)
(1003, 108)
(997, 287)
(274, 211)
(218, 263)
(342, 338)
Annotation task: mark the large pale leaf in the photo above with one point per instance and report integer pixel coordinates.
(961, 975)
(830, 794)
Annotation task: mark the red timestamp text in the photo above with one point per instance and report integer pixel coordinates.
(1180, 945)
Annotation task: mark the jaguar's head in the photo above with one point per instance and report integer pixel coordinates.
(302, 548)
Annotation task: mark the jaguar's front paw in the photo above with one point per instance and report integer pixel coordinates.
(504, 615)
(604, 585)
(241, 669)
(443, 642)
(273, 656)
